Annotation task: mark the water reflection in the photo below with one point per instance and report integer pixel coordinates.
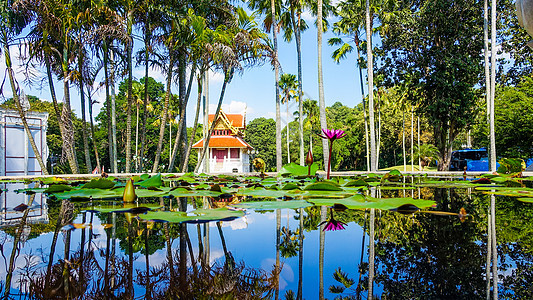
(380, 254)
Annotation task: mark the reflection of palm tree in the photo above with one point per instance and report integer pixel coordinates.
(278, 240)
(323, 216)
(371, 256)
(287, 84)
(300, 255)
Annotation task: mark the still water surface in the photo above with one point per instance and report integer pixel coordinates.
(68, 250)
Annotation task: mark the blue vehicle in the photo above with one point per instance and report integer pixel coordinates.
(470, 160)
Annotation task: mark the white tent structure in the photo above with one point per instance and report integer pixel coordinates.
(17, 158)
(16, 154)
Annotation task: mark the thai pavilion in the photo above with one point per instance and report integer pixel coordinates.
(227, 150)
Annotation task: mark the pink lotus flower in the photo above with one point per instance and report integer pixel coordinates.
(331, 135)
(332, 224)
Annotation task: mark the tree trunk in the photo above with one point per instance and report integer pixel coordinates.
(373, 157)
(403, 143)
(297, 38)
(195, 126)
(321, 100)
(364, 111)
(108, 105)
(181, 123)
(182, 135)
(84, 122)
(145, 103)
(412, 139)
(322, 238)
(164, 115)
(279, 162)
(227, 78)
(21, 112)
(129, 49)
(66, 116)
(288, 146)
(98, 167)
(492, 86)
(114, 160)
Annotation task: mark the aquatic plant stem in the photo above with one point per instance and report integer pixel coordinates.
(329, 160)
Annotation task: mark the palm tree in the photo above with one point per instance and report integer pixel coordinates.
(492, 87)
(287, 84)
(370, 70)
(350, 24)
(12, 24)
(321, 100)
(230, 48)
(292, 22)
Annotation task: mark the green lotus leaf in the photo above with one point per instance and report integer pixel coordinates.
(357, 182)
(58, 188)
(154, 181)
(320, 194)
(100, 183)
(290, 186)
(215, 214)
(168, 216)
(31, 190)
(323, 186)
(271, 205)
(360, 202)
(261, 192)
(181, 192)
(90, 193)
(528, 200)
(51, 180)
(507, 191)
(125, 207)
(293, 169)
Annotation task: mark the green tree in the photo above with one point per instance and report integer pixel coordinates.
(260, 134)
(439, 61)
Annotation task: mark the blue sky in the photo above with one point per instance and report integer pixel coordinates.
(252, 91)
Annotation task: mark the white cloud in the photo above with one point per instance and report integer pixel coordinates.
(215, 77)
(234, 107)
(286, 274)
(240, 223)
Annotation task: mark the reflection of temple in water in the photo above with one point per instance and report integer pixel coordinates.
(9, 199)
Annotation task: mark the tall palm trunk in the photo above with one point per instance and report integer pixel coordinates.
(279, 162)
(487, 63)
(404, 153)
(195, 126)
(300, 254)
(129, 49)
(364, 110)
(181, 123)
(373, 157)
(323, 217)
(321, 100)
(297, 37)
(66, 115)
(136, 169)
(227, 77)
(371, 255)
(147, 39)
(108, 106)
(114, 160)
(98, 167)
(412, 139)
(164, 115)
(278, 242)
(288, 146)
(182, 134)
(84, 122)
(492, 86)
(19, 106)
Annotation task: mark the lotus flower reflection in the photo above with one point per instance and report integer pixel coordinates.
(331, 135)
(332, 224)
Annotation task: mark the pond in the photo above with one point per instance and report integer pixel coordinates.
(210, 237)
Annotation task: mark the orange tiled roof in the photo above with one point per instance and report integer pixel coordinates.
(223, 142)
(236, 119)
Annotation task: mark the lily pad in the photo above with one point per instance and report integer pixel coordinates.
(100, 183)
(168, 216)
(90, 193)
(293, 169)
(528, 200)
(126, 207)
(357, 182)
(322, 186)
(271, 205)
(217, 214)
(261, 192)
(58, 188)
(154, 181)
(360, 202)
